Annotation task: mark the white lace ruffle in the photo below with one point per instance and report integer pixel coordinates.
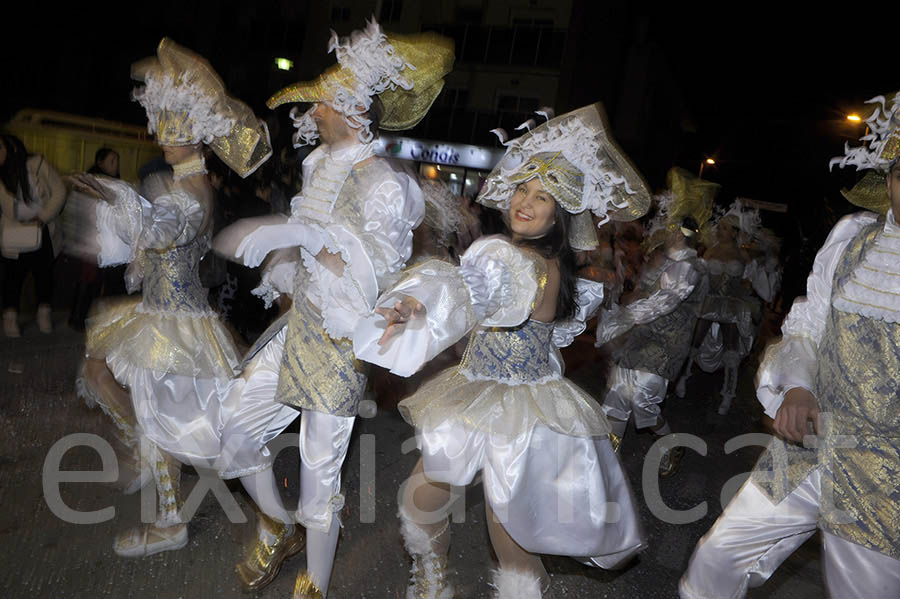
(873, 288)
(589, 296)
(508, 381)
(140, 308)
(205, 118)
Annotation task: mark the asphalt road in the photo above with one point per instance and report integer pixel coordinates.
(43, 556)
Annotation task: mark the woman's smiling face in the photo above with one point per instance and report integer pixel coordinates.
(532, 210)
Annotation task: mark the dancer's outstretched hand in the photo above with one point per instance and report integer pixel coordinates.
(798, 408)
(397, 316)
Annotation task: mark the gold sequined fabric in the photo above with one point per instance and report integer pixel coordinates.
(430, 54)
(693, 197)
(244, 148)
(189, 346)
(317, 372)
(856, 388)
(870, 193)
(559, 177)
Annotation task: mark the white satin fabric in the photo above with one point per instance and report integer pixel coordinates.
(792, 362)
(634, 392)
(553, 493)
(253, 417)
(494, 286)
(324, 440)
(392, 205)
(675, 283)
(753, 537)
(180, 414)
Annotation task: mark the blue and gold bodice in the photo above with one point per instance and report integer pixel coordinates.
(510, 355)
(172, 278)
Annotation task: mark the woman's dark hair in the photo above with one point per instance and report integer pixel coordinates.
(555, 246)
(99, 156)
(14, 171)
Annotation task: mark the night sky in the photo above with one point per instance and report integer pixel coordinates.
(764, 90)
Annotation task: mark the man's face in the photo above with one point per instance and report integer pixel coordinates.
(331, 124)
(893, 187)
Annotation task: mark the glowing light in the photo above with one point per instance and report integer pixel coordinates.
(710, 161)
(431, 172)
(854, 117)
(284, 64)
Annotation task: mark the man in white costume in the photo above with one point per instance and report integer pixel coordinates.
(833, 373)
(353, 224)
(650, 338)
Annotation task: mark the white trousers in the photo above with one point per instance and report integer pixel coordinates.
(753, 537)
(324, 440)
(634, 392)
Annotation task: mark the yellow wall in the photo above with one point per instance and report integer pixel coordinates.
(70, 141)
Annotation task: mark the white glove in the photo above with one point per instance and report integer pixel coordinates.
(255, 246)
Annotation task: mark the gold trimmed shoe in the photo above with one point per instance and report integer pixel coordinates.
(670, 461)
(264, 559)
(616, 441)
(305, 588)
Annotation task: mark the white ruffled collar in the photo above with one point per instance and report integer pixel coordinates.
(873, 288)
(329, 169)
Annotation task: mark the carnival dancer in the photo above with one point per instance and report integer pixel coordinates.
(651, 335)
(729, 319)
(167, 348)
(552, 481)
(352, 224)
(834, 371)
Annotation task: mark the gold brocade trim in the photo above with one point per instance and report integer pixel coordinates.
(881, 251)
(852, 301)
(884, 272)
(875, 289)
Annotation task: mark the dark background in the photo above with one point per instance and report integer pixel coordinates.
(764, 89)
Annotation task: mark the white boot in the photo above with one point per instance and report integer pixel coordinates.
(428, 574)
(515, 584)
(11, 323)
(43, 319)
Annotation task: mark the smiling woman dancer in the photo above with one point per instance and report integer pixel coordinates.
(552, 481)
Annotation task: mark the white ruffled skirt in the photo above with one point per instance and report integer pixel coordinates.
(554, 493)
(176, 369)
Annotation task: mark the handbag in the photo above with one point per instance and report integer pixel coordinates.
(16, 237)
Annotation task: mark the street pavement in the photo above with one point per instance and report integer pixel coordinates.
(44, 556)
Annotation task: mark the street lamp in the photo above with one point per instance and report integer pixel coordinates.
(854, 117)
(284, 64)
(708, 161)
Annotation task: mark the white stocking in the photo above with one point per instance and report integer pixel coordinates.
(262, 488)
(320, 548)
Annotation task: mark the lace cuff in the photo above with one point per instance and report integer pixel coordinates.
(790, 363)
(119, 223)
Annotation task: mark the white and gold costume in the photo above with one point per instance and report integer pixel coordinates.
(842, 343)
(167, 347)
(540, 442)
(351, 233)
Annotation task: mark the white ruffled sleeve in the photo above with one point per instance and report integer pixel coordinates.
(676, 283)
(588, 299)
(495, 285)
(793, 361)
(173, 219)
(394, 206)
(119, 222)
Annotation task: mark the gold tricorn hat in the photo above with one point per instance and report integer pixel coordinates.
(687, 195)
(406, 72)
(186, 103)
